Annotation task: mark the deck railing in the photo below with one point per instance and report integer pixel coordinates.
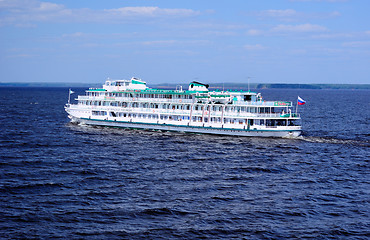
(181, 101)
(184, 112)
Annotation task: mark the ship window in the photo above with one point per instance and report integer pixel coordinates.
(247, 97)
(281, 122)
(293, 123)
(99, 113)
(270, 122)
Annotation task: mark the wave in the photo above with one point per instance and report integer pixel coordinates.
(307, 138)
(330, 140)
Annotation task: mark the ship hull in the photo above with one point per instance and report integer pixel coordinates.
(189, 128)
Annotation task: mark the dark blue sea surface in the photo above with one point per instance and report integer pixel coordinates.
(60, 180)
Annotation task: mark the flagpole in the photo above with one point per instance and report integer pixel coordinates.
(69, 96)
(296, 109)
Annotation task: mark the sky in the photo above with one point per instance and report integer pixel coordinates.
(166, 41)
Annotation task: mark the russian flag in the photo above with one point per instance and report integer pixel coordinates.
(301, 101)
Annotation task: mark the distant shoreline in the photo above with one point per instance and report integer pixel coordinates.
(212, 85)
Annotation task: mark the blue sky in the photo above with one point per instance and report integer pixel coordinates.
(166, 41)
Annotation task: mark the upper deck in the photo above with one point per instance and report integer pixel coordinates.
(136, 90)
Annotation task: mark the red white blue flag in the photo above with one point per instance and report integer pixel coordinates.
(301, 101)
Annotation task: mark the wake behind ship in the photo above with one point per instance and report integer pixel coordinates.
(131, 104)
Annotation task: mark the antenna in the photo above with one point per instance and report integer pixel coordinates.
(249, 78)
(248, 84)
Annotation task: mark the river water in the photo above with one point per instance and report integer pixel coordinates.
(60, 180)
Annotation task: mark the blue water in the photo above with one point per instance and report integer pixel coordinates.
(59, 180)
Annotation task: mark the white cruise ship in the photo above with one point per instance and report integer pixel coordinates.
(131, 104)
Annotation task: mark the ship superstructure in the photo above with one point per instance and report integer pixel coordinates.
(131, 104)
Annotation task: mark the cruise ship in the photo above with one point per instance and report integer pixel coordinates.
(131, 104)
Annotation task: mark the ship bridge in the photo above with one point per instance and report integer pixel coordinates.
(197, 86)
(123, 85)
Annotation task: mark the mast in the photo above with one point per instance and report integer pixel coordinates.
(69, 96)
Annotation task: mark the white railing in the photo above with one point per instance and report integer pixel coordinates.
(183, 112)
(135, 99)
(176, 100)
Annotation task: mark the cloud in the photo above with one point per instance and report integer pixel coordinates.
(333, 35)
(278, 13)
(48, 7)
(15, 12)
(74, 35)
(301, 28)
(293, 15)
(332, 1)
(175, 42)
(255, 47)
(357, 44)
(254, 32)
(150, 12)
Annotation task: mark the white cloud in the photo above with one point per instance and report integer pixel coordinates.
(15, 12)
(290, 15)
(278, 13)
(175, 42)
(301, 28)
(298, 51)
(357, 44)
(332, 1)
(255, 47)
(47, 7)
(150, 12)
(333, 35)
(254, 32)
(160, 42)
(74, 35)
